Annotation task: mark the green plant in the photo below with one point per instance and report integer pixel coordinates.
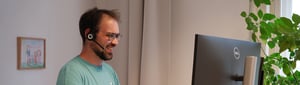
(275, 31)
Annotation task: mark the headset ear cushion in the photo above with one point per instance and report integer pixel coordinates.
(90, 36)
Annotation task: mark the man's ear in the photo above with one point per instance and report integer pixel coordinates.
(87, 31)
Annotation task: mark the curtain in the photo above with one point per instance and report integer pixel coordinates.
(156, 43)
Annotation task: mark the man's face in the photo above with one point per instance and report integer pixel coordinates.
(107, 37)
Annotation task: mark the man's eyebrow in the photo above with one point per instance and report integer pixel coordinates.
(112, 33)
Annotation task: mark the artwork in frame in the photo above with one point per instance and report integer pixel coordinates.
(31, 53)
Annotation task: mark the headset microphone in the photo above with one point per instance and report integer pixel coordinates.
(100, 54)
(98, 44)
(91, 37)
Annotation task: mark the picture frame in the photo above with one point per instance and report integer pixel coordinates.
(31, 53)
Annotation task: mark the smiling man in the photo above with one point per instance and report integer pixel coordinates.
(99, 30)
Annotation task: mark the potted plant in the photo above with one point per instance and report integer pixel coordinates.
(280, 32)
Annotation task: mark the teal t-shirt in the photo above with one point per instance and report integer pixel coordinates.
(80, 72)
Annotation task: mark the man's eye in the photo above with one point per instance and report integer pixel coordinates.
(110, 35)
(113, 35)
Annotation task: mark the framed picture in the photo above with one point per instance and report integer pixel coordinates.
(31, 53)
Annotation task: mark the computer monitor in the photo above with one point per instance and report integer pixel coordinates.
(221, 61)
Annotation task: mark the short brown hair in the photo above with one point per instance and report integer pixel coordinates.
(92, 17)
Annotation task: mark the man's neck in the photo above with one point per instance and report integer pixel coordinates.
(89, 56)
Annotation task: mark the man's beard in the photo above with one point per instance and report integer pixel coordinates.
(101, 54)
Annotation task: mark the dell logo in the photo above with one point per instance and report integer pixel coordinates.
(236, 53)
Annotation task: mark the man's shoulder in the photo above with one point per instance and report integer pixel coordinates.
(71, 73)
(73, 64)
(73, 61)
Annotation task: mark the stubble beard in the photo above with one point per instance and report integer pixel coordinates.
(102, 54)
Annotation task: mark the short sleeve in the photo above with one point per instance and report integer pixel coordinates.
(116, 78)
(69, 76)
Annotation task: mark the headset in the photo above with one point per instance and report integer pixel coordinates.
(91, 36)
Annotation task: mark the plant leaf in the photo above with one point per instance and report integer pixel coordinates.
(263, 38)
(293, 45)
(272, 27)
(250, 24)
(293, 64)
(286, 70)
(271, 44)
(296, 19)
(254, 17)
(257, 3)
(297, 55)
(248, 21)
(283, 44)
(267, 2)
(254, 37)
(287, 22)
(297, 74)
(268, 16)
(260, 13)
(243, 14)
(290, 80)
(264, 34)
(275, 39)
(266, 28)
(274, 55)
(292, 54)
(282, 26)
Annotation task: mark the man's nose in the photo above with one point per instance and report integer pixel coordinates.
(115, 41)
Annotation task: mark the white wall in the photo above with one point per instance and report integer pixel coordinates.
(54, 20)
(211, 17)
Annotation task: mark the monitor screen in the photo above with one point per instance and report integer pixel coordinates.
(220, 61)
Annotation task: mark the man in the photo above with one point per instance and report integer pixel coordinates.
(100, 33)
